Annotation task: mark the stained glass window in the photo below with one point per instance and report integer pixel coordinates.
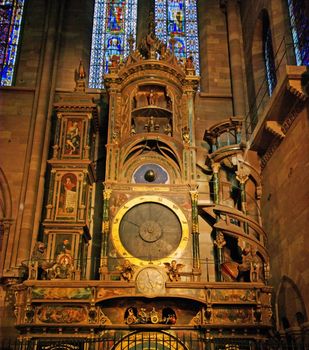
(177, 19)
(299, 21)
(269, 59)
(11, 12)
(114, 21)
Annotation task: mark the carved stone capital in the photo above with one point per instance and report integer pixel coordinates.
(220, 241)
(107, 194)
(215, 167)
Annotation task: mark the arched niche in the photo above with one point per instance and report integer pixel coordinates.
(291, 311)
(257, 85)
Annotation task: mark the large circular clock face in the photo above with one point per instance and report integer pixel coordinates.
(150, 228)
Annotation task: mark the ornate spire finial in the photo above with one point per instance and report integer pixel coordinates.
(131, 42)
(172, 42)
(80, 76)
(151, 23)
(81, 70)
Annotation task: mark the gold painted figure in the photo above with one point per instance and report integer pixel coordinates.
(126, 270)
(173, 270)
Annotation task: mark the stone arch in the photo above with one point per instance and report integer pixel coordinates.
(5, 215)
(5, 198)
(257, 86)
(290, 306)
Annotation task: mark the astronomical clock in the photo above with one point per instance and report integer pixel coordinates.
(152, 291)
(150, 184)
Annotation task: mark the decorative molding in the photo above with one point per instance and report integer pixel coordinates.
(288, 121)
(275, 128)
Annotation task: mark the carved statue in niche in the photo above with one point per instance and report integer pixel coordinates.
(168, 102)
(168, 129)
(186, 135)
(130, 316)
(133, 130)
(168, 316)
(173, 270)
(151, 125)
(141, 99)
(246, 269)
(152, 97)
(142, 316)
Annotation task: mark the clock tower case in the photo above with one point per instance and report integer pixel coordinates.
(150, 198)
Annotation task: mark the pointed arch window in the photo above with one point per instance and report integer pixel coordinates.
(11, 13)
(177, 19)
(114, 21)
(299, 22)
(269, 59)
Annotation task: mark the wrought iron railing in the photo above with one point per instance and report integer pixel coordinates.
(145, 340)
(283, 56)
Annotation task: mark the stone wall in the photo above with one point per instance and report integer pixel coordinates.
(285, 207)
(285, 190)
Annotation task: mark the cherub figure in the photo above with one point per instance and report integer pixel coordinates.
(173, 270)
(126, 270)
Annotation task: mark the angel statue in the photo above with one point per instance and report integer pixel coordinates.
(173, 270)
(126, 270)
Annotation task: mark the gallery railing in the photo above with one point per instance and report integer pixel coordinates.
(230, 196)
(282, 57)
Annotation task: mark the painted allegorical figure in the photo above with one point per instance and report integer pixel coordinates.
(72, 137)
(68, 195)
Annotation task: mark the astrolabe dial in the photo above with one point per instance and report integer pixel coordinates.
(150, 229)
(150, 281)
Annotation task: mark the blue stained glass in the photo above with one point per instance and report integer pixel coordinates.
(269, 62)
(178, 19)
(300, 30)
(11, 12)
(114, 21)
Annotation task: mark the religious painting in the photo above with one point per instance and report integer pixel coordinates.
(72, 138)
(68, 195)
(63, 244)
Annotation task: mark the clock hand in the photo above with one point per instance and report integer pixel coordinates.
(149, 280)
(133, 223)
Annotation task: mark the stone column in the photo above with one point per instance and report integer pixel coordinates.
(195, 231)
(219, 243)
(231, 10)
(105, 232)
(216, 185)
(32, 190)
(242, 175)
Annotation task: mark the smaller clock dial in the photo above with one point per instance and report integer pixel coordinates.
(150, 281)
